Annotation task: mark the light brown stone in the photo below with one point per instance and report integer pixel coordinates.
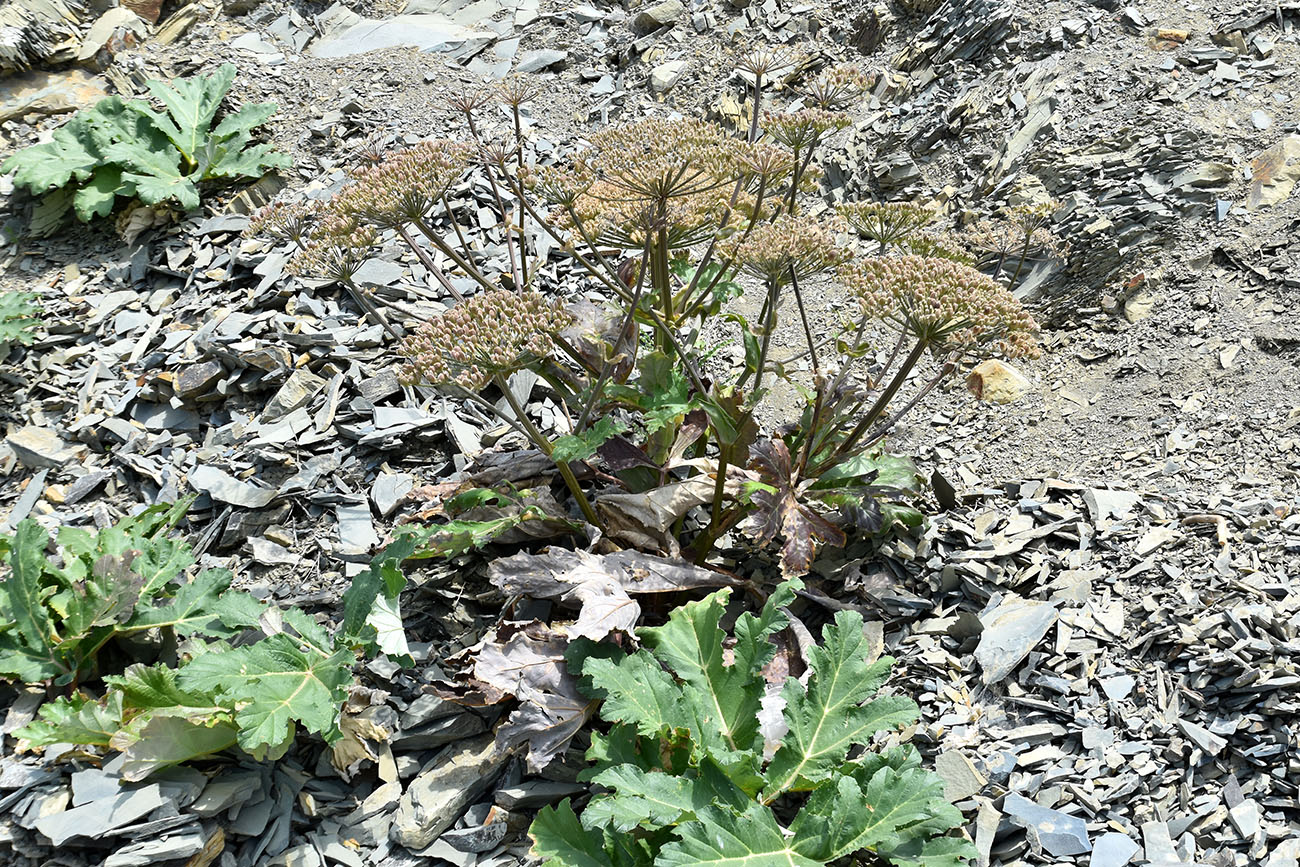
(997, 382)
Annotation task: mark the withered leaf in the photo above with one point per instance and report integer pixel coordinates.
(780, 512)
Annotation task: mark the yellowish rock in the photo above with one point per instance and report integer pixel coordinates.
(997, 382)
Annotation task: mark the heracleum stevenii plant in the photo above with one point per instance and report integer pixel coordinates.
(886, 223)
(943, 304)
(662, 218)
(786, 249)
(490, 334)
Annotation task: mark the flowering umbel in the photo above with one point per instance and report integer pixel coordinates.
(944, 304)
(886, 222)
(772, 251)
(492, 333)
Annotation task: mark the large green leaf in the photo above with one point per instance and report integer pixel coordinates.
(848, 816)
(831, 715)
(233, 158)
(638, 691)
(274, 684)
(725, 698)
(655, 798)
(18, 311)
(723, 838)
(153, 687)
(97, 198)
(20, 592)
(246, 119)
(69, 154)
(170, 737)
(560, 839)
(204, 606)
(191, 103)
(75, 720)
(580, 447)
(880, 469)
(383, 579)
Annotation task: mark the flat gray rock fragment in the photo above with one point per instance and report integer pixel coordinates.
(540, 59)
(435, 799)
(166, 848)
(1059, 834)
(98, 817)
(1113, 849)
(1010, 631)
(961, 778)
(388, 489)
(428, 33)
(42, 447)
(225, 488)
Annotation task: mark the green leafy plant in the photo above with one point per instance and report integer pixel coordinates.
(674, 221)
(126, 149)
(693, 772)
(226, 671)
(18, 311)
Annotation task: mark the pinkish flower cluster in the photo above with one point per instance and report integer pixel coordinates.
(492, 333)
(404, 186)
(886, 222)
(773, 251)
(938, 246)
(947, 305)
(1026, 231)
(839, 87)
(805, 128)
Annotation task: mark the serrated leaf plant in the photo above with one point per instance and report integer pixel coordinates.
(18, 312)
(122, 149)
(688, 775)
(233, 671)
(676, 223)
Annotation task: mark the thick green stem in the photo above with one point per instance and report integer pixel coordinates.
(427, 261)
(704, 543)
(446, 250)
(1024, 252)
(540, 440)
(882, 402)
(661, 281)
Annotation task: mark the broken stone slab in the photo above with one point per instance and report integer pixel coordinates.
(1058, 834)
(166, 848)
(41, 92)
(388, 490)
(532, 794)
(540, 59)
(301, 386)
(1205, 740)
(225, 488)
(1113, 849)
(196, 379)
(41, 447)
(1106, 505)
(426, 33)
(98, 817)
(1245, 817)
(160, 417)
(476, 839)
(116, 29)
(666, 75)
(1011, 629)
(659, 15)
(961, 779)
(356, 531)
(436, 798)
(997, 382)
(1276, 170)
(1117, 688)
